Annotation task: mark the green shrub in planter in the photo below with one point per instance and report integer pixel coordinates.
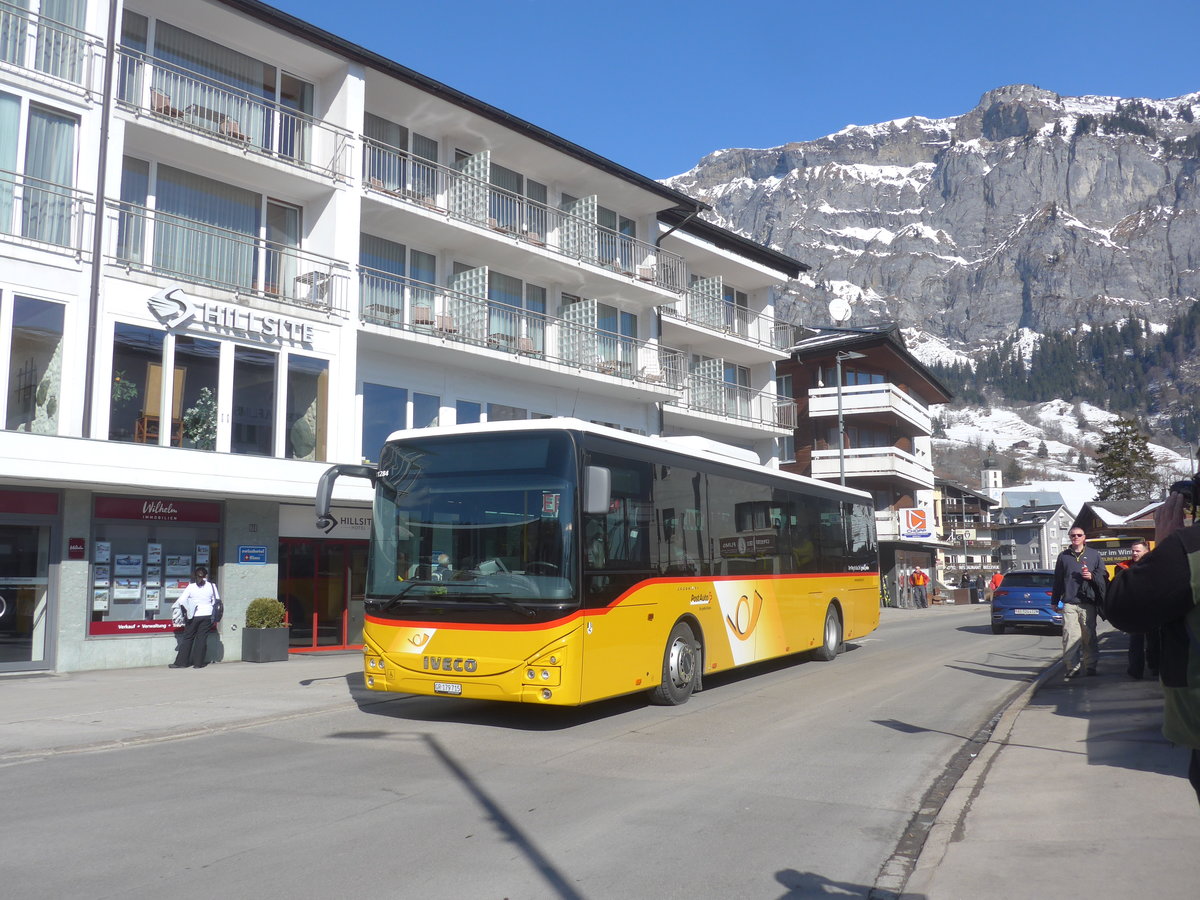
(265, 612)
(265, 638)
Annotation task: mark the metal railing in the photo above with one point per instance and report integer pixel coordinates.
(736, 321)
(863, 398)
(42, 213)
(254, 124)
(403, 303)
(400, 174)
(44, 47)
(734, 401)
(167, 244)
(861, 462)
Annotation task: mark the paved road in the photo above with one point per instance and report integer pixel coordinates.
(799, 780)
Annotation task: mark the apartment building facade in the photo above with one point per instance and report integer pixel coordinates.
(235, 249)
(862, 406)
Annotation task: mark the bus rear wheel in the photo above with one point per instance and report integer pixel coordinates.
(831, 640)
(679, 669)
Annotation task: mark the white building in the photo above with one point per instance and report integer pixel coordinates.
(235, 249)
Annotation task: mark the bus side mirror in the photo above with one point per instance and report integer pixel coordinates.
(597, 490)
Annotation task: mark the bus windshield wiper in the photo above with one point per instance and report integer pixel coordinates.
(500, 599)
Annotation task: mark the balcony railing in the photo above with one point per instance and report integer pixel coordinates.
(41, 213)
(405, 176)
(47, 49)
(869, 398)
(259, 126)
(184, 248)
(733, 401)
(872, 462)
(403, 303)
(736, 321)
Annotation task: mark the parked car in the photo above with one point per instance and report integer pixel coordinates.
(1023, 599)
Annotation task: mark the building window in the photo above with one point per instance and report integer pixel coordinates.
(38, 201)
(498, 412)
(427, 410)
(34, 366)
(307, 407)
(253, 401)
(385, 409)
(467, 412)
(137, 394)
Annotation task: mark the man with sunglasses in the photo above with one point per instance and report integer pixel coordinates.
(1079, 584)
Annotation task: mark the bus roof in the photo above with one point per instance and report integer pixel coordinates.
(696, 447)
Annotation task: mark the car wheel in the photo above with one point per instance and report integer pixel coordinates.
(680, 667)
(997, 629)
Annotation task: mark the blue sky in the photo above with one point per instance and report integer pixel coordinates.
(656, 84)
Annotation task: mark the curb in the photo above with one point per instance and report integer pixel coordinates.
(948, 824)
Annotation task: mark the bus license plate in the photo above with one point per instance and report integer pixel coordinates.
(445, 687)
(1026, 612)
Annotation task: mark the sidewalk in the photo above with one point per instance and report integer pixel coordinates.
(1077, 794)
(80, 711)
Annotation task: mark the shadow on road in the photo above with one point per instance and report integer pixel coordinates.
(810, 884)
(528, 717)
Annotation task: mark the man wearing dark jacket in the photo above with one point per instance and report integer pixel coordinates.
(1162, 590)
(1079, 582)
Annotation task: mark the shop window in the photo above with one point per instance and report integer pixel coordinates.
(140, 564)
(137, 392)
(307, 408)
(253, 402)
(385, 409)
(35, 366)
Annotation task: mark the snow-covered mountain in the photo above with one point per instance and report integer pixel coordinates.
(1031, 214)
(1031, 211)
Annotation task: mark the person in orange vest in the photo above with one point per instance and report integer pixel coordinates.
(919, 580)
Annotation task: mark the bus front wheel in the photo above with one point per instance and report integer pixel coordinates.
(831, 641)
(680, 667)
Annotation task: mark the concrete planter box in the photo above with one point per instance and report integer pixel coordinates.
(265, 645)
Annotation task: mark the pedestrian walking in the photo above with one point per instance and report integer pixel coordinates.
(1079, 583)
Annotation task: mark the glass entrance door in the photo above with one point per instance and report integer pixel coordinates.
(24, 582)
(322, 584)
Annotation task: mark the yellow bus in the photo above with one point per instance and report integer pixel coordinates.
(558, 562)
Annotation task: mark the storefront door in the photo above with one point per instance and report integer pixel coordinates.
(24, 586)
(322, 584)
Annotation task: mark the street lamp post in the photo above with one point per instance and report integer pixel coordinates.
(842, 355)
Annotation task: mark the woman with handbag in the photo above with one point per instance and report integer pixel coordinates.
(200, 603)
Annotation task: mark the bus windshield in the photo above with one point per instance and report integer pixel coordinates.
(483, 522)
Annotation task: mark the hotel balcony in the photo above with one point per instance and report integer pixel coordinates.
(879, 463)
(859, 399)
(429, 313)
(46, 216)
(443, 193)
(159, 92)
(176, 247)
(48, 51)
(731, 410)
(717, 328)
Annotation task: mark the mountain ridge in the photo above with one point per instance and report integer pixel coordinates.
(1032, 213)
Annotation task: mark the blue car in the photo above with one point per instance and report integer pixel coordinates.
(1023, 599)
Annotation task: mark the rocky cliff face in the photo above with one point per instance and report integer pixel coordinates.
(1030, 211)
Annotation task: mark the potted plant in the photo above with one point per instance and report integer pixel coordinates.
(265, 638)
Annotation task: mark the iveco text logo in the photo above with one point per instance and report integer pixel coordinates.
(448, 664)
